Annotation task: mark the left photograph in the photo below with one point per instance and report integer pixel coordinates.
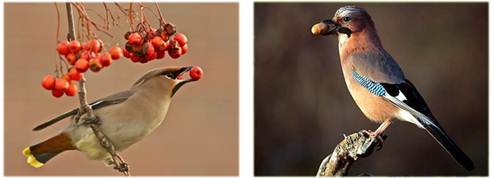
(109, 89)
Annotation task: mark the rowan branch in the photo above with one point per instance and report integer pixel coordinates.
(355, 146)
(85, 109)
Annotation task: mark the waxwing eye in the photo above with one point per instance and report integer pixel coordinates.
(346, 19)
(170, 75)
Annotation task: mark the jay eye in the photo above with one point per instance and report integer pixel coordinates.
(346, 19)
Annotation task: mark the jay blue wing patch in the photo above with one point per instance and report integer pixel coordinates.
(403, 95)
(373, 87)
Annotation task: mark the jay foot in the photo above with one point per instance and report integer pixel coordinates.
(377, 135)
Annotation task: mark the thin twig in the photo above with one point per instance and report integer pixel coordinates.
(107, 16)
(121, 8)
(130, 17)
(83, 12)
(161, 19)
(58, 23)
(153, 13)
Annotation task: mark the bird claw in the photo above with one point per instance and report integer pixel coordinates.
(380, 138)
(122, 167)
(92, 121)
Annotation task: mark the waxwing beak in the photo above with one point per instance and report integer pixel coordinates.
(326, 27)
(179, 76)
(179, 73)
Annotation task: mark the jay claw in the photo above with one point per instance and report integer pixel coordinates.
(380, 138)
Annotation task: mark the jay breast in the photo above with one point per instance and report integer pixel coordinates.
(373, 107)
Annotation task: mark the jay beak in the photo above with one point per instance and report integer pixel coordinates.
(126, 118)
(377, 83)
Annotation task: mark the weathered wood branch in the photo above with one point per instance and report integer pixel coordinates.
(355, 146)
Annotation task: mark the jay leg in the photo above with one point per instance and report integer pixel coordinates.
(379, 132)
(381, 128)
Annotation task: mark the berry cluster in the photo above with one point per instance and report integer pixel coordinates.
(149, 44)
(59, 86)
(89, 55)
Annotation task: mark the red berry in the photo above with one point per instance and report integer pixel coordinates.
(157, 42)
(148, 48)
(95, 64)
(181, 38)
(61, 84)
(160, 54)
(106, 59)
(151, 56)
(196, 73)
(101, 44)
(81, 65)
(57, 93)
(166, 46)
(66, 77)
(88, 55)
(135, 39)
(144, 60)
(184, 49)
(127, 54)
(150, 33)
(116, 52)
(71, 58)
(74, 74)
(135, 58)
(63, 48)
(71, 90)
(95, 45)
(164, 36)
(48, 82)
(74, 46)
(175, 53)
(86, 46)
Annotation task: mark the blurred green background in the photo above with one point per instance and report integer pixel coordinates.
(302, 106)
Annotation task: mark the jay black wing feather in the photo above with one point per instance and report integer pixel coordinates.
(414, 103)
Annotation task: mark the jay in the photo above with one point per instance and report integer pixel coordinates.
(126, 118)
(377, 83)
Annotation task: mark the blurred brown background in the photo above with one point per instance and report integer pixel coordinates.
(200, 133)
(302, 106)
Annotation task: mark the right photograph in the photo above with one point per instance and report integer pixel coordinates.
(371, 89)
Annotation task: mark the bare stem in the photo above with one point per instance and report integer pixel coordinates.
(121, 8)
(58, 22)
(84, 106)
(83, 13)
(130, 17)
(161, 19)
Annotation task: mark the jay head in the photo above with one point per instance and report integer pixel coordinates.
(353, 26)
(125, 117)
(377, 83)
